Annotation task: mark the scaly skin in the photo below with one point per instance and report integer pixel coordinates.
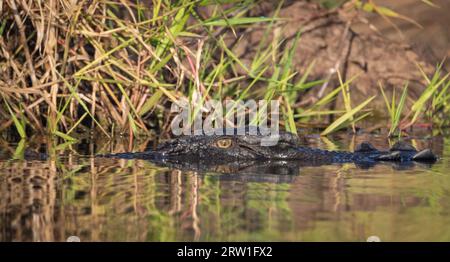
(233, 148)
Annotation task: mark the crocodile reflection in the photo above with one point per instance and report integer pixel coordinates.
(271, 171)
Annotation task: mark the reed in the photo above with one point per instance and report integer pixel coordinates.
(114, 67)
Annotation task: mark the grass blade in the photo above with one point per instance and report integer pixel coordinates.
(347, 116)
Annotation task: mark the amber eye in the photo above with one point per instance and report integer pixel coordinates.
(223, 143)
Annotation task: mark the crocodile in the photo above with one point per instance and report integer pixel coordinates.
(236, 149)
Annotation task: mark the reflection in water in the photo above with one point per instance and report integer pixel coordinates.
(134, 200)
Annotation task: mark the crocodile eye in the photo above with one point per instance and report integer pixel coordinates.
(224, 143)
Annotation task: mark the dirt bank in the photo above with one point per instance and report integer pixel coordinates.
(336, 40)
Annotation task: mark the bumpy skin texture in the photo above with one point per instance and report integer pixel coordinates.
(245, 146)
(238, 148)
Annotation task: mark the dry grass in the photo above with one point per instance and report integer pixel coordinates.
(69, 66)
(65, 62)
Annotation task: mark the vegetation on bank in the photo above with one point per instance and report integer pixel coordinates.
(68, 67)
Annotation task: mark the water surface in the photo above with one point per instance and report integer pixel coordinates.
(98, 199)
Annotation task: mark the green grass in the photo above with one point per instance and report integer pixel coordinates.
(114, 68)
(395, 110)
(436, 90)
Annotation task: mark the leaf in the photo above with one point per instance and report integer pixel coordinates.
(103, 56)
(82, 104)
(20, 128)
(387, 12)
(318, 113)
(238, 21)
(346, 117)
(401, 104)
(64, 136)
(428, 2)
(368, 7)
(151, 102)
(20, 150)
(427, 94)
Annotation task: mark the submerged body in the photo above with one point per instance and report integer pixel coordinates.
(237, 148)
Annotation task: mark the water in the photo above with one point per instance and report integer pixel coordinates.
(98, 199)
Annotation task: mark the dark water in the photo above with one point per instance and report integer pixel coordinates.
(99, 199)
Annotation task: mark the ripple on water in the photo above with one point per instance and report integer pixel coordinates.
(134, 200)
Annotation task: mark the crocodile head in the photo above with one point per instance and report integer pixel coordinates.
(230, 146)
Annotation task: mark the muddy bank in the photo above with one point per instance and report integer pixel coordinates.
(336, 40)
(432, 38)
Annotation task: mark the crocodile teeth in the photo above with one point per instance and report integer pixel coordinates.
(394, 156)
(424, 155)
